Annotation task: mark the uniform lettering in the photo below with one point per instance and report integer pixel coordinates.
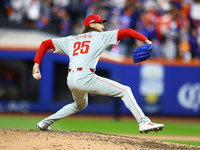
(83, 36)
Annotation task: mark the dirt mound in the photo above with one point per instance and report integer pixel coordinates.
(29, 139)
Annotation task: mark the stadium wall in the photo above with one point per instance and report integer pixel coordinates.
(161, 87)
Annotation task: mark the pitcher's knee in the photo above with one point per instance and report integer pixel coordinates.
(126, 90)
(81, 107)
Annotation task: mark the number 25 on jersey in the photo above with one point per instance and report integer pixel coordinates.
(81, 47)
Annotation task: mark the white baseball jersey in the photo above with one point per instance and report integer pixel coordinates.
(84, 50)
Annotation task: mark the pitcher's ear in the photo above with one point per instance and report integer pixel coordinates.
(92, 25)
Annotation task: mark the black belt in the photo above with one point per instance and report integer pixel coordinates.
(81, 69)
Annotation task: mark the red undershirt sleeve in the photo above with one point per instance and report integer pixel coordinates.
(44, 47)
(124, 33)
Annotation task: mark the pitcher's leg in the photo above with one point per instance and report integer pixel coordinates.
(109, 87)
(81, 102)
(131, 104)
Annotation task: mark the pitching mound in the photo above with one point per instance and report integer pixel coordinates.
(29, 139)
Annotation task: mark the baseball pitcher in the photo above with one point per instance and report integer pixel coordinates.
(84, 51)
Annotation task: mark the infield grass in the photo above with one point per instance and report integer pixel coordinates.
(104, 126)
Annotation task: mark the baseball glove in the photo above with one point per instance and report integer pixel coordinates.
(142, 53)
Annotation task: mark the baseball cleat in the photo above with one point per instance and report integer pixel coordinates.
(42, 126)
(150, 126)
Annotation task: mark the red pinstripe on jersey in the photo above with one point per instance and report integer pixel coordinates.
(125, 92)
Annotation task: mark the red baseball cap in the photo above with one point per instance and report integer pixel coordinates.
(93, 19)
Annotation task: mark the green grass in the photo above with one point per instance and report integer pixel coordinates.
(125, 127)
(105, 126)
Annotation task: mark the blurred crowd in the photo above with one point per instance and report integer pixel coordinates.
(172, 25)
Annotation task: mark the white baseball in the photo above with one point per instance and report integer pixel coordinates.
(36, 75)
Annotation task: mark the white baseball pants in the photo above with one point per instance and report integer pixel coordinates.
(83, 82)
